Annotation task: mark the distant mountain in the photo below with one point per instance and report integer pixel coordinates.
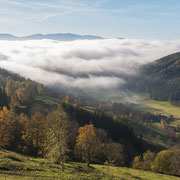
(8, 37)
(59, 37)
(161, 78)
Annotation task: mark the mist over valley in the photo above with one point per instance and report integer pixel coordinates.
(81, 64)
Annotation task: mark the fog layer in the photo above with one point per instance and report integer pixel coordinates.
(82, 63)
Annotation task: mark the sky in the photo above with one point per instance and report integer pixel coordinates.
(149, 19)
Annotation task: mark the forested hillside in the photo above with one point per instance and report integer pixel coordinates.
(32, 117)
(41, 122)
(161, 79)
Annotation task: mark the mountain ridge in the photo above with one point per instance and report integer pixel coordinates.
(57, 36)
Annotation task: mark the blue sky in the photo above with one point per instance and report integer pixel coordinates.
(150, 19)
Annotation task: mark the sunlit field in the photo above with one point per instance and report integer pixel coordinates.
(15, 166)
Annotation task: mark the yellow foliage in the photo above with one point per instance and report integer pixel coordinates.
(86, 134)
(5, 108)
(163, 124)
(7, 127)
(162, 161)
(137, 163)
(86, 142)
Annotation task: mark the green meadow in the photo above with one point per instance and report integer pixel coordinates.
(15, 166)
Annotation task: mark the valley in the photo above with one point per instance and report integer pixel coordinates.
(89, 90)
(91, 131)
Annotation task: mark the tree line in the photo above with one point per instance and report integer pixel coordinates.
(166, 161)
(58, 137)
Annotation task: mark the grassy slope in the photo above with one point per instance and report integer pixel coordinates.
(15, 166)
(165, 108)
(145, 104)
(141, 102)
(150, 134)
(48, 100)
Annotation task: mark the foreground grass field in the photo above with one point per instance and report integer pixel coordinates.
(15, 166)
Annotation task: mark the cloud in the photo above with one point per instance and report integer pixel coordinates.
(82, 63)
(44, 18)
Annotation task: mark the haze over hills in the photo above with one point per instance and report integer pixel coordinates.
(58, 36)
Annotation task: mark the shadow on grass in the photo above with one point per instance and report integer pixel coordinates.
(84, 169)
(5, 169)
(136, 177)
(14, 158)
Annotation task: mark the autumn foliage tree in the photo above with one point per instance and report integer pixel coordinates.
(162, 161)
(115, 153)
(166, 161)
(174, 167)
(10, 132)
(87, 143)
(59, 135)
(34, 135)
(137, 163)
(21, 94)
(145, 162)
(148, 159)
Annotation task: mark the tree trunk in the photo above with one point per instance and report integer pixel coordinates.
(62, 166)
(88, 164)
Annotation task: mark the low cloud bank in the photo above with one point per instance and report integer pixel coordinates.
(82, 63)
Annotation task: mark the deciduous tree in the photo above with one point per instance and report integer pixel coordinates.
(34, 135)
(58, 135)
(10, 132)
(87, 143)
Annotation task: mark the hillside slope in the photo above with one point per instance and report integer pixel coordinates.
(15, 166)
(161, 79)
